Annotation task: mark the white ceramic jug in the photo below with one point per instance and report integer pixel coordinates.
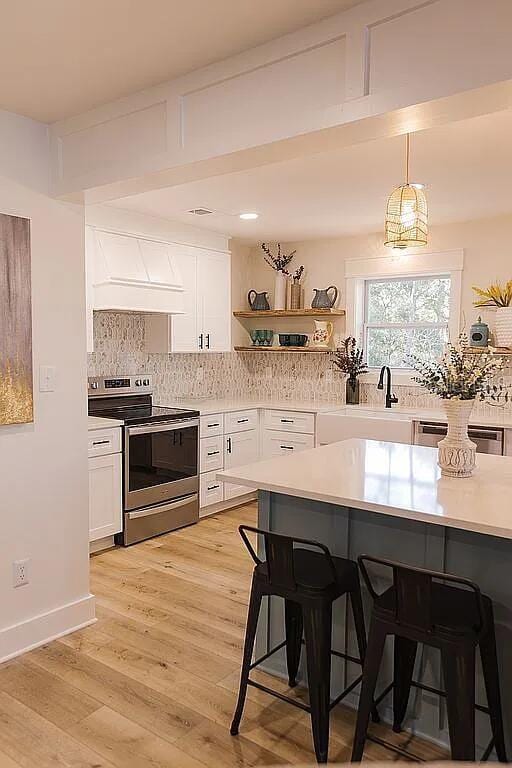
(323, 334)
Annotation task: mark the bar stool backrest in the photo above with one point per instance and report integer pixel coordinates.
(278, 550)
(413, 591)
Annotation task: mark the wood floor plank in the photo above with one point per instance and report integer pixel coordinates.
(127, 745)
(130, 698)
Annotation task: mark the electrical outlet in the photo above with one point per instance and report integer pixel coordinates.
(200, 374)
(268, 371)
(20, 572)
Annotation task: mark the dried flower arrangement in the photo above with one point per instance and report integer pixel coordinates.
(458, 374)
(298, 274)
(496, 295)
(280, 261)
(349, 358)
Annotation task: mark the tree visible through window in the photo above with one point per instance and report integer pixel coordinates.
(403, 316)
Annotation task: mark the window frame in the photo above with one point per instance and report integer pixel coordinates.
(407, 326)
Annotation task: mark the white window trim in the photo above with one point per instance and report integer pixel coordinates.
(412, 263)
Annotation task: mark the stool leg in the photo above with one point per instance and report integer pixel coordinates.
(356, 602)
(459, 678)
(492, 688)
(376, 640)
(293, 622)
(403, 665)
(317, 632)
(250, 634)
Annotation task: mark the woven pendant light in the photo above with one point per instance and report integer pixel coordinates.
(406, 213)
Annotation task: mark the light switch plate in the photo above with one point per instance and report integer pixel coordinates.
(47, 378)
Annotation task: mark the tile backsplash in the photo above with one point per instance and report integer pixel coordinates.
(119, 342)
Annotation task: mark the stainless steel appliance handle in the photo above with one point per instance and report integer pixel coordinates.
(483, 433)
(163, 426)
(163, 508)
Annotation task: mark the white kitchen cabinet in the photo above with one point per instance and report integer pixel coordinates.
(277, 443)
(205, 325)
(239, 448)
(240, 421)
(289, 421)
(105, 496)
(211, 453)
(211, 425)
(210, 490)
(214, 301)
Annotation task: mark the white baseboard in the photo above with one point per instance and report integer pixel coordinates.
(223, 506)
(38, 630)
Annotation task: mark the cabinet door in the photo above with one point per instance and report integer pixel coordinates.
(105, 496)
(239, 448)
(214, 296)
(184, 328)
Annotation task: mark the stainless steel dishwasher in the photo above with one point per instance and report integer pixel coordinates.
(487, 439)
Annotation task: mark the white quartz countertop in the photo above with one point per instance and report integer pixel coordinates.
(98, 422)
(392, 479)
(207, 406)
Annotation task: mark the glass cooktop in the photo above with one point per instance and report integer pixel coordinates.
(144, 414)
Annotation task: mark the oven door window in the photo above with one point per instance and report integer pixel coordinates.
(159, 457)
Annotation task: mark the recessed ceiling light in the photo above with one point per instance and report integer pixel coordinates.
(249, 216)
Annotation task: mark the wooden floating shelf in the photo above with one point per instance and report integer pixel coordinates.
(486, 350)
(290, 313)
(284, 349)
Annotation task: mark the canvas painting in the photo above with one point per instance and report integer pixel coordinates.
(16, 389)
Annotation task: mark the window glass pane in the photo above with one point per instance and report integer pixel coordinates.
(431, 300)
(428, 342)
(424, 300)
(386, 346)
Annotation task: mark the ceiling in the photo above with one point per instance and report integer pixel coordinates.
(59, 58)
(466, 166)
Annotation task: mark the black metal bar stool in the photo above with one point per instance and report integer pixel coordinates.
(446, 612)
(309, 580)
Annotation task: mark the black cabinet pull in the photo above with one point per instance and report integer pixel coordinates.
(101, 442)
(229, 445)
(287, 447)
(213, 453)
(200, 341)
(212, 487)
(286, 421)
(217, 424)
(242, 421)
(207, 341)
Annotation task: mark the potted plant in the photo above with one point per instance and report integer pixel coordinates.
(499, 296)
(279, 263)
(458, 378)
(349, 359)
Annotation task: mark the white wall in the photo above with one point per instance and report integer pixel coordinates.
(43, 475)
(486, 244)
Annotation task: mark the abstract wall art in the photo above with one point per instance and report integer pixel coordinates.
(16, 389)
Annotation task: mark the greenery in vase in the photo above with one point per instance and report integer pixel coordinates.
(350, 359)
(458, 374)
(279, 261)
(496, 295)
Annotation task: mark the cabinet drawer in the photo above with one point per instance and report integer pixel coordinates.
(210, 489)
(240, 421)
(289, 421)
(277, 443)
(211, 453)
(104, 441)
(211, 425)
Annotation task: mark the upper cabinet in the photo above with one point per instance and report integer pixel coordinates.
(205, 325)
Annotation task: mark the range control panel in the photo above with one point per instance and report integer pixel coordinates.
(99, 386)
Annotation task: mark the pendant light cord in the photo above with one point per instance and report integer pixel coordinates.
(407, 159)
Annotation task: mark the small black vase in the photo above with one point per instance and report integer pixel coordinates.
(352, 392)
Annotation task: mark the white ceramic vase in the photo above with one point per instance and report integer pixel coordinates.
(456, 452)
(280, 291)
(503, 327)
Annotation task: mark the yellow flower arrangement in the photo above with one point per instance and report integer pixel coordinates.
(496, 295)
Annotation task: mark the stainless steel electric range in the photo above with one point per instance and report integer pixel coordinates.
(160, 456)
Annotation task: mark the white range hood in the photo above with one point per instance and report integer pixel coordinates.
(128, 273)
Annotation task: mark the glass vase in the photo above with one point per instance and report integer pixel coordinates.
(352, 392)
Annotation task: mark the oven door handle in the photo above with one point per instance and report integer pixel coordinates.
(167, 508)
(149, 429)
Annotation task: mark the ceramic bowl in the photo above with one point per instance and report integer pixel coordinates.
(262, 338)
(293, 339)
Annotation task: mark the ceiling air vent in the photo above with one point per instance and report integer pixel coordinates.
(200, 211)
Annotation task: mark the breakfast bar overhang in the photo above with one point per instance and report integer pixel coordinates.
(389, 500)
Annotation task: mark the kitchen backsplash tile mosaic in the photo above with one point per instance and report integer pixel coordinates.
(120, 348)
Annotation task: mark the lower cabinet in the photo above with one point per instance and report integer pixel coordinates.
(239, 448)
(210, 489)
(277, 443)
(105, 496)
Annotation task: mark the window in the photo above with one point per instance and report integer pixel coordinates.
(403, 316)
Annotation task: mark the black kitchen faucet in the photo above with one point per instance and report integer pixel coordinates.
(390, 399)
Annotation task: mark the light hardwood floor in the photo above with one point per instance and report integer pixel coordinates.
(153, 682)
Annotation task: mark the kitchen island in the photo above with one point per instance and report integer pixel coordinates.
(389, 500)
